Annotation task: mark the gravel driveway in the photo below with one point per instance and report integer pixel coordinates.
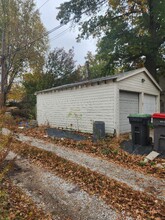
(132, 178)
(64, 200)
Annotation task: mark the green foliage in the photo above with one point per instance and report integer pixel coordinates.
(33, 83)
(106, 151)
(59, 69)
(151, 126)
(96, 66)
(131, 32)
(116, 151)
(61, 66)
(152, 163)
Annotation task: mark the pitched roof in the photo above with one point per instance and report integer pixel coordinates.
(117, 77)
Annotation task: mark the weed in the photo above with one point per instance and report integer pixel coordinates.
(142, 163)
(80, 146)
(93, 150)
(152, 163)
(106, 151)
(116, 151)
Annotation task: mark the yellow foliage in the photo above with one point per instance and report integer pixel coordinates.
(17, 93)
(114, 3)
(129, 4)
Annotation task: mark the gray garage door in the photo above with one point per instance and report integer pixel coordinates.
(129, 104)
(149, 104)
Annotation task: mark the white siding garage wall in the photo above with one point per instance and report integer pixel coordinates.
(129, 104)
(110, 99)
(78, 107)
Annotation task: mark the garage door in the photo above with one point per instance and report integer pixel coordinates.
(149, 104)
(129, 104)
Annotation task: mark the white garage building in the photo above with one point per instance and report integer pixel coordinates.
(110, 99)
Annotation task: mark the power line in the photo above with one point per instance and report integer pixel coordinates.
(55, 28)
(42, 5)
(60, 34)
(61, 25)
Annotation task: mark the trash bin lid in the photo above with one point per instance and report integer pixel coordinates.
(139, 116)
(158, 115)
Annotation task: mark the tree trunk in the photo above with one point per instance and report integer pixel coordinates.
(3, 85)
(150, 64)
(3, 73)
(2, 100)
(151, 54)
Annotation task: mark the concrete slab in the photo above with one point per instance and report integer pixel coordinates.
(151, 156)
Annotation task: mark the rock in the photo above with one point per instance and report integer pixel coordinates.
(151, 156)
(159, 165)
(8, 114)
(6, 131)
(11, 156)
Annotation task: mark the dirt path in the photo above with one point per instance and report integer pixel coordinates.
(64, 200)
(134, 179)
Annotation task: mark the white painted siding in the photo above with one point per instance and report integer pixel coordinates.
(135, 84)
(77, 108)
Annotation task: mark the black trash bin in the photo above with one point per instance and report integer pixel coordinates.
(98, 130)
(159, 132)
(140, 129)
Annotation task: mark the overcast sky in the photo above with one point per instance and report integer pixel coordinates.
(63, 37)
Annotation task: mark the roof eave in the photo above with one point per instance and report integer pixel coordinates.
(67, 86)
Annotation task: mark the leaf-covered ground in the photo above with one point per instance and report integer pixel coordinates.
(109, 150)
(15, 205)
(116, 194)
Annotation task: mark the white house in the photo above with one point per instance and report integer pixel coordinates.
(110, 99)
